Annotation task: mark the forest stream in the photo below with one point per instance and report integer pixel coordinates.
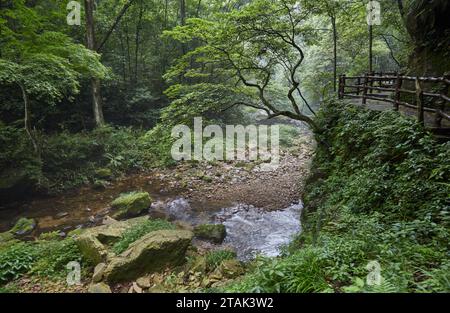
(263, 206)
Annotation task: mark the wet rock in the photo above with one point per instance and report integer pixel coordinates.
(99, 288)
(131, 204)
(24, 226)
(98, 272)
(151, 253)
(212, 232)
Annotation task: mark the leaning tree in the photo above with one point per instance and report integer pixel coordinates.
(250, 56)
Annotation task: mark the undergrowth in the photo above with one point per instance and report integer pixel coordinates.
(376, 215)
(139, 230)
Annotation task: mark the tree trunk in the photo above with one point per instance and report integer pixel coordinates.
(183, 22)
(26, 120)
(137, 41)
(333, 23)
(90, 44)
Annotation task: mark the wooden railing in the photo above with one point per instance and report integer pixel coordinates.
(392, 87)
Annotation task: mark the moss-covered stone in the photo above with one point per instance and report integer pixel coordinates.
(99, 184)
(24, 226)
(212, 232)
(103, 173)
(151, 253)
(93, 242)
(131, 204)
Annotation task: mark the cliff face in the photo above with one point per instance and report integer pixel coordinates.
(428, 23)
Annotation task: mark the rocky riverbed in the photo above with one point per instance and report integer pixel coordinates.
(260, 212)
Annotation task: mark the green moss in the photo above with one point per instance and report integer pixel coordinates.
(139, 230)
(103, 173)
(213, 232)
(215, 257)
(53, 235)
(6, 236)
(24, 226)
(131, 204)
(377, 194)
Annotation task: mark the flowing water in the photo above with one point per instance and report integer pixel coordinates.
(250, 230)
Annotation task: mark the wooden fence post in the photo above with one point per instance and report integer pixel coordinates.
(364, 100)
(358, 83)
(441, 107)
(371, 80)
(341, 86)
(419, 102)
(398, 86)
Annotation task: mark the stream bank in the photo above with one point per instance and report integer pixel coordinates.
(262, 205)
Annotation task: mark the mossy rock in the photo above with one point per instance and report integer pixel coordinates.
(152, 253)
(211, 232)
(131, 204)
(24, 226)
(103, 173)
(99, 184)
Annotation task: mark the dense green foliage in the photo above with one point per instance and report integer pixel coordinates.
(40, 258)
(378, 193)
(139, 230)
(68, 159)
(215, 257)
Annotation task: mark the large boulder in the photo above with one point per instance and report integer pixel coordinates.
(211, 232)
(428, 25)
(131, 204)
(93, 242)
(151, 253)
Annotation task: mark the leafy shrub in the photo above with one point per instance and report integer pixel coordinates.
(299, 272)
(138, 231)
(16, 260)
(288, 134)
(42, 258)
(378, 191)
(215, 257)
(53, 256)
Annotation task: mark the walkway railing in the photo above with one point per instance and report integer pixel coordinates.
(394, 88)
